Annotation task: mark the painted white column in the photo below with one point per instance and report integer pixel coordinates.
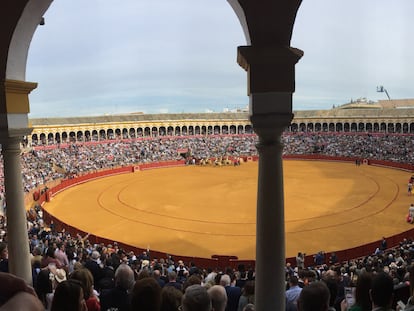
(18, 243)
(270, 115)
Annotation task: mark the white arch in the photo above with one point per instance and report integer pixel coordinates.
(22, 36)
(242, 18)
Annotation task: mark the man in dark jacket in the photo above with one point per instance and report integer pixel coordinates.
(118, 298)
(233, 293)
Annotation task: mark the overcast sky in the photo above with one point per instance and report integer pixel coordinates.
(102, 57)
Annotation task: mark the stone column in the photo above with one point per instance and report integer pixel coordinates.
(270, 222)
(18, 243)
(270, 71)
(15, 125)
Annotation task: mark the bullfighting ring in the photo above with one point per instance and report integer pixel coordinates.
(201, 211)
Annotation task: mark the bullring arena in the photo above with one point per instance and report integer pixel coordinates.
(200, 211)
(197, 211)
(194, 211)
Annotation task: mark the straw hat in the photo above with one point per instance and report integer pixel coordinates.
(60, 275)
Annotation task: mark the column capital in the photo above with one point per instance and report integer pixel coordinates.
(7, 134)
(17, 95)
(14, 110)
(269, 68)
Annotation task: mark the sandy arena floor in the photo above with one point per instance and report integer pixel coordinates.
(201, 211)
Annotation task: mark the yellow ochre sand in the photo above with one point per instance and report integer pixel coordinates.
(201, 211)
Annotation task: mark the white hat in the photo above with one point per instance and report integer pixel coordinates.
(60, 275)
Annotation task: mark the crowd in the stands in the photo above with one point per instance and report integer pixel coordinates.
(389, 147)
(114, 279)
(41, 166)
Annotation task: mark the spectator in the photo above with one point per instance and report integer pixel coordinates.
(292, 294)
(157, 276)
(193, 269)
(333, 259)
(16, 295)
(247, 295)
(192, 280)
(300, 261)
(362, 294)
(118, 297)
(56, 277)
(218, 297)
(410, 303)
(60, 255)
(382, 289)
(170, 299)
(69, 297)
(84, 276)
(314, 297)
(196, 298)
(44, 287)
(172, 280)
(319, 258)
(383, 246)
(49, 259)
(181, 271)
(146, 295)
(93, 265)
(233, 293)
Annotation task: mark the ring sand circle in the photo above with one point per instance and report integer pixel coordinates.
(204, 210)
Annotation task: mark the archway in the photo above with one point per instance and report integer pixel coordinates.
(269, 32)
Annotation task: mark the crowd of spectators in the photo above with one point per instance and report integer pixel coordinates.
(111, 277)
(40, 166)
(119, 280)
(388, 147)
